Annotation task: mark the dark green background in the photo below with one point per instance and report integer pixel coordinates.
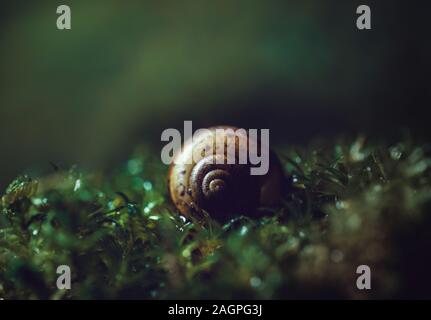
(129, 69)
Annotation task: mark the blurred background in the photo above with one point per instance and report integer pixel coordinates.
(129, 69)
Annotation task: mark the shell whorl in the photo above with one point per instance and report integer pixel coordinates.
(210, 181)
(221, 188)
(210, 184)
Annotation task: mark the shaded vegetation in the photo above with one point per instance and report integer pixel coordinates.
(346, 204)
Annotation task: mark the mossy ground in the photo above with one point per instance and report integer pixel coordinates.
(346, 204)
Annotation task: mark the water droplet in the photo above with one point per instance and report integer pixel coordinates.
(255, 282)
(148, 185)
(77, 185)
(377, 188)
(186, 253)
(395, 152)
(356, 152)
(134, 166)
(243, 230)
(340, 205)
(149, 206)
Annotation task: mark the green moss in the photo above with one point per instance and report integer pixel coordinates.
(346, 204)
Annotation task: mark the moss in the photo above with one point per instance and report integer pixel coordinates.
(346, 204)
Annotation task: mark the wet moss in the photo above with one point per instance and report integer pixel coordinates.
(345, 204)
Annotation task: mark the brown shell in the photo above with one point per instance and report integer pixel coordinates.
(222, 190)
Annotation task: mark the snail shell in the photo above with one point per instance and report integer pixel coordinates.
(211, 185)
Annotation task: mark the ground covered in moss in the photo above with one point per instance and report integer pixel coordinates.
(346, 204)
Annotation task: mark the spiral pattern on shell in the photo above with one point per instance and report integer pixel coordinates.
(210, 184)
